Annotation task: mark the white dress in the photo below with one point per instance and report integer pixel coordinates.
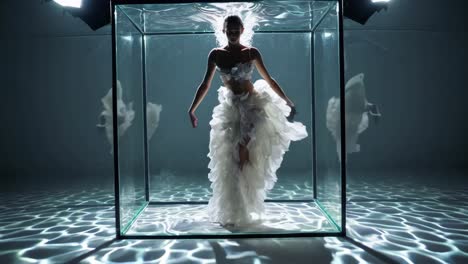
(238, 195)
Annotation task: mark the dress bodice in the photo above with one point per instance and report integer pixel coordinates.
(240, 71)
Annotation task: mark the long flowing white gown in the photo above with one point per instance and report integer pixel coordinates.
(238, 195)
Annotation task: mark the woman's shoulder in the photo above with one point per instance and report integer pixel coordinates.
(250, 48)
(212, 55)
(215, 51)
(254, 52)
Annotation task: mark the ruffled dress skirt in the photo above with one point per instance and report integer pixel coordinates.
(238, 194)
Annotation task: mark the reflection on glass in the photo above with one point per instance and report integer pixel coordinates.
(357, 112)
(125, 115)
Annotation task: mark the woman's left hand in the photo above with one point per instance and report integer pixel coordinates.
(193, 119)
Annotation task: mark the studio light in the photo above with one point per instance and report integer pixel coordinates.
(361, 10)
(95, 13)
(69, 3)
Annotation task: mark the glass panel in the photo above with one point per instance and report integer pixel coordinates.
(177, 152)
(130, 119)
(327, 113)
(293, 15)
(175, 65)
(292, 69)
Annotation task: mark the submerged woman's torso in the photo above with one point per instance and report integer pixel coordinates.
(235, 69)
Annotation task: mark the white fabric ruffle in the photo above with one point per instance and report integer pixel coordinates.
(238, 195)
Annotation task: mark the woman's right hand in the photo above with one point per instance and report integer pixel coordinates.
(293, 111)
(193, 119)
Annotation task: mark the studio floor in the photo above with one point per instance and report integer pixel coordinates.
(400, 221)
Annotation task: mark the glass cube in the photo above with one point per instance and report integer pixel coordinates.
(160, 162)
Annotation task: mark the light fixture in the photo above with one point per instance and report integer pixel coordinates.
(361, 10)
(69, 3)
(95, 13)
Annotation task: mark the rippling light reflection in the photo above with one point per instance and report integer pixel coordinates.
(397, 221)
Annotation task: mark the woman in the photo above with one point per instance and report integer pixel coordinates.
(249, 130)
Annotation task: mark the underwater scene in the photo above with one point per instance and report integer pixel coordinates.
(213, 163)
(165, 182)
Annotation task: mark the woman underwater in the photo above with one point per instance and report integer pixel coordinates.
(250, 131)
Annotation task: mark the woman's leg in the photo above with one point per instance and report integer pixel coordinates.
(243, 153)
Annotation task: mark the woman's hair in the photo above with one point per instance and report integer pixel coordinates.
(233, 19)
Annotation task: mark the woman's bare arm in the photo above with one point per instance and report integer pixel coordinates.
(206, 83)
(264, 73)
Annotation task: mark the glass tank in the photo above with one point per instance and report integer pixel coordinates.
(160, 161)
